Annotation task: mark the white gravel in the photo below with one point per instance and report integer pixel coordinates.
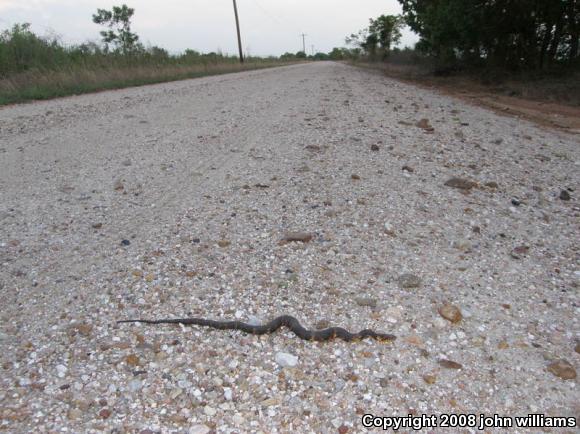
(203, 178)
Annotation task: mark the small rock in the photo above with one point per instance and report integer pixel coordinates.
(492, 184)
(297, 237)
(450, 313)
(61, 370)
(449, 364)
(375, 148)
(424, 124)
(343, 429)
(366, 301)
(409, 281)
(460, 183)
(516, 202)
(135, 385)
(563, 369)
(520, 250)
(429, 379)
(224, 243)
(84, 329)
(97, 226)
(322, 324)
(210, 411)
(564, 195)
(105, 413)
(286, 359)
(503, 345)
(228, 395)
(577, 348)
(462, 244)
(132, 360)
(125, 243)
(199, 429)
(408, 169)
(354, 177)
(254, 321)
(74, 414)
(118, 185)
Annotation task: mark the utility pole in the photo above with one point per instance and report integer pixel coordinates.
(304, 42)
(239, 36)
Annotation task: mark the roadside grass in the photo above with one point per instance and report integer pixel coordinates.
(46, 84)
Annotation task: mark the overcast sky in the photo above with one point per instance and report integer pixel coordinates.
(268, 26)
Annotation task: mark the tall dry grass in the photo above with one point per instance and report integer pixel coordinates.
(34, 67)
(37, 84)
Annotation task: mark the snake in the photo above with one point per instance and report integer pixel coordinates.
(282, 321)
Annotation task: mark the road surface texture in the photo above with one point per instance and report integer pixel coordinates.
(174, 200)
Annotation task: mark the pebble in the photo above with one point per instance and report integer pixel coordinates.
(563, 369)
(409, 281)
(210, 411)
(132, 360)
(118, 185)
(125, 243)
(200, 429)
(74, 414)
(564, 195)
(297, 237)
(450, 364)
(424, 124)
(429, 379)
(375, 148)
(366, 301)
(135, 385)
(61, 370)
(450, 313)
(286, 359)
(254, 320)
(228, 395)
(460, 183)
(462, 244)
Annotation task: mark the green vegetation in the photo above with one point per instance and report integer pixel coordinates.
(35, 67)
(511, 34)
(377, 40)
(118, 20)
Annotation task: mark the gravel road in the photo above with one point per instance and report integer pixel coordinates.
(171, 200)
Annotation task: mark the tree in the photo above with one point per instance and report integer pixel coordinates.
(386, 30)
(337, 54)
(507, 33)
(288, 56)
(382, 33)
(118, 20)
(301, 55)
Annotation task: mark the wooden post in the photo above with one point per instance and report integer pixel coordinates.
(239, 36)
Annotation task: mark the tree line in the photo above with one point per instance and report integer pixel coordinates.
(512, 34)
